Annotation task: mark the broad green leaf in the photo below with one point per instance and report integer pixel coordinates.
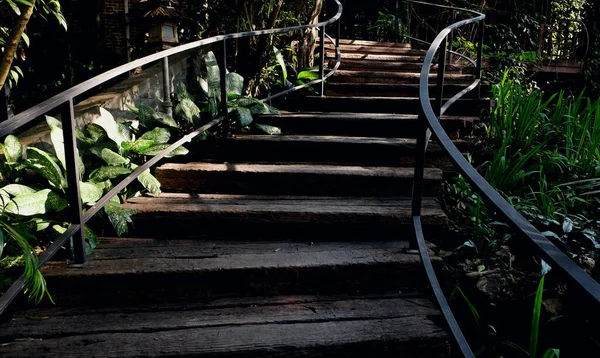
(25, 38)
(109, 156)
(95, 132)
(244, 116)
(203, 85)
(145, 114)
(17, 189)
(57, 138)
(164, 119)
(308, 75)
(118, 215)
(42, 163)
(91, 239)
(155, 149)
(108, 123)
(125, 131)
(268, 129)
(37, 203)
(83, 137)
(150, 182)
(213, 76)
(14, 6)
(108, 144)
(187, 109)
(281, 63)
(108, 172)
(41, 224)
(157, 136)
(13, 149)
(234, 83)
(105, 185)
(90, 192)
(138, 146)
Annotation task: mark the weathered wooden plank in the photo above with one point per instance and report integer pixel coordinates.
(145, 274)
(408, 337)
(361, 49)
(388, 66)
(364, 77)
(402, 105)
(383, 125)
(373, 43)
(351, 89)
(370, 151)
(61, 322)
(297, 179)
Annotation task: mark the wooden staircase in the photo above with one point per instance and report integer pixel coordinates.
(290, 245)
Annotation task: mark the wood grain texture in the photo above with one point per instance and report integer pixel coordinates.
(296, 179)
(344, 327)
(364, 77)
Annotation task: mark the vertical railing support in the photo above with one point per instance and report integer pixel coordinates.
(167, 104)
(322, 61)
(224, 101)
(417, 192)
(3, 104)
(73, 192)
(479, 58)
(397, 22)
(440, 77)
(451, 36)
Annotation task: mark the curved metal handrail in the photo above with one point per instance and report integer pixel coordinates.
(66, 98)
(544, 247)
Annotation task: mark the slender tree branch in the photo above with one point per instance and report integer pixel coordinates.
(12, 44)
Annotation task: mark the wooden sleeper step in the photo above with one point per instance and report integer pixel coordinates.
(293, 179)
(369, 151)
(299, 326)
(195, 215)
(126, 271)
(384, 125)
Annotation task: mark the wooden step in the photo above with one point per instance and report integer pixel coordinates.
(348, 89)
(293, 179)
(370, 151)
(388, 66)
(130, 271)
(362, 49)
(298, 326)
(383, 125)
(371, 43)
(401, 105)
(364, 77)
(377, 57)
(192, 215)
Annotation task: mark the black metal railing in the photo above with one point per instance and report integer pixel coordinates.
(564, 40)
(430, 120)
(64, 102)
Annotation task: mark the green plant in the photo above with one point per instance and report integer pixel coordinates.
(385, 27)
(241, 108)
(489, 335)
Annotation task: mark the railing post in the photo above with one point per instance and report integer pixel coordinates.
(440, 77)
(451, 36)
(479, 58)
(322, 61)
(417, 192)
(3, 104)
(397, 22)
(167, 104)
(73, 192)
(224, 100)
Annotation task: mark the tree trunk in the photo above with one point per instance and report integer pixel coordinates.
(12, 43)
(309, 41)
